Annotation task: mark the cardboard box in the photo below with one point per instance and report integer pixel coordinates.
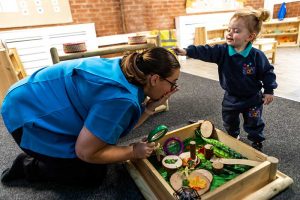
(260, 182)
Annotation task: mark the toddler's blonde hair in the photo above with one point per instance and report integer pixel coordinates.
(253, 18)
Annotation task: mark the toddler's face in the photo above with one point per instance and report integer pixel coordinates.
(238, 34)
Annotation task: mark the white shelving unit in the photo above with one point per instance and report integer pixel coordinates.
(33, 45)
(286, 32)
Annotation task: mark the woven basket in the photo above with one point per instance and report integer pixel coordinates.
(74, 47)
(139, 39)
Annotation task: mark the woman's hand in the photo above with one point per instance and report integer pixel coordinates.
(142, 149)
(179, 52)
(152, 104)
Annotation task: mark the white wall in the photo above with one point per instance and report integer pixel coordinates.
(185, 25)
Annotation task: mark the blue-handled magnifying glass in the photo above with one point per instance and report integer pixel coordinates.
(157, 133)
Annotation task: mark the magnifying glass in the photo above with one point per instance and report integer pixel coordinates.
(157, 133)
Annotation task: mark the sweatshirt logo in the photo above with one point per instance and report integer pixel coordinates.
(248, 69)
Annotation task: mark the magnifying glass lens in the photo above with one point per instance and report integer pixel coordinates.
(157, 133)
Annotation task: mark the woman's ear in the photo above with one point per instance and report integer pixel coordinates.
(154, 79)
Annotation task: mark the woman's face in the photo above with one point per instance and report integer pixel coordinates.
(157, 86)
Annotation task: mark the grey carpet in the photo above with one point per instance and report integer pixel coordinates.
(198, 98)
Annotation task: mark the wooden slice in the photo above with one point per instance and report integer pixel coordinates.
(74, 47)
(217, 167)
(138, 39)
(207, 129)
(172, 162)
(206, 173)
(176, 180)
(185, 156)
(198, 175)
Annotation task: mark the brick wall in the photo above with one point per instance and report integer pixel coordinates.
(106, 15)
(254, 3)
(292, 9)
(127, 16)
(152, 14)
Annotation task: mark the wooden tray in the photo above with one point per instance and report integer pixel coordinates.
(260, 182)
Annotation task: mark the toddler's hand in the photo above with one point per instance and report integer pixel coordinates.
(178, 51)
(267, 99)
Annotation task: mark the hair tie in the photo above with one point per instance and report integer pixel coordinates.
(137, 63)
(139, 58)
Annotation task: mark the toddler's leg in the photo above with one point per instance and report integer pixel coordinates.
(231, 122)
(253, 123)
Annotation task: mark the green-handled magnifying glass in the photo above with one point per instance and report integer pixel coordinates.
(157, 133)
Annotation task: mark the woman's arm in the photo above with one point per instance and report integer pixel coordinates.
(143, 118)
(91, 149)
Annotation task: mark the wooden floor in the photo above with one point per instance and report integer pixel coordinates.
(287, 69)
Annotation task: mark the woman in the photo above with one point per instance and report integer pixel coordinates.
(71, 115)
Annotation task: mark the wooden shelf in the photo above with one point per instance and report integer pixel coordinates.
(213, 36)
(11, 69)
(284, 21)
(216, 41)
(278, 34)
(285, 39)
(218, 29)
(287, 44)
(210, 36)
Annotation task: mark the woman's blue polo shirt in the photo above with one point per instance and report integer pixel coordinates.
(53, 104)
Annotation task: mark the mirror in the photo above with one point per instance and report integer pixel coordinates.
(157, 133)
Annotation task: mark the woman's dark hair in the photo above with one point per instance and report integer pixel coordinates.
(136, 66)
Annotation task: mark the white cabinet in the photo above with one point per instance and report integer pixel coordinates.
(33, 45)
